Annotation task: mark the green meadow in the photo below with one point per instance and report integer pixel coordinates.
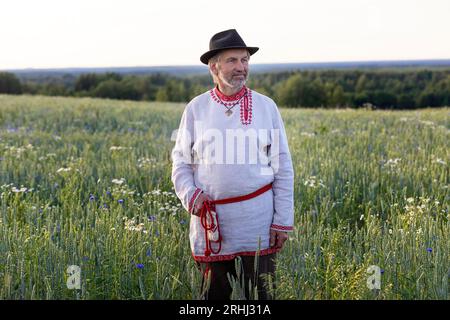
(86, 182)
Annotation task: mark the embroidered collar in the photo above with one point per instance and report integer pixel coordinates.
(233, 97)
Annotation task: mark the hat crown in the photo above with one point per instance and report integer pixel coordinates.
(227, 38)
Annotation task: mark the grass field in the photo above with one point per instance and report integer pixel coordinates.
(86, 182)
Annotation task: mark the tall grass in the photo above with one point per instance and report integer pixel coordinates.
(87, 182)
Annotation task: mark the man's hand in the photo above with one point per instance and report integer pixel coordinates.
(199, 203)
(277, 238)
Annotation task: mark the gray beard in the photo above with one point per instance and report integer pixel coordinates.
(235, 84)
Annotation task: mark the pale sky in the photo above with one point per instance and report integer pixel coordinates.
(113, 33)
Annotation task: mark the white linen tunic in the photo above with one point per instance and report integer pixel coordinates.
(228, 156)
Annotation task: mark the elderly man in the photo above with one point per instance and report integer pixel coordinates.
(240, 195)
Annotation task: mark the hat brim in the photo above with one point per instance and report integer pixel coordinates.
(208, 55)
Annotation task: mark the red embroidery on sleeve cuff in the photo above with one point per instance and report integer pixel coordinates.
(281, 228)
(194, 196)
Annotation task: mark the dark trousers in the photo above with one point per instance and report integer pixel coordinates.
(217, 286)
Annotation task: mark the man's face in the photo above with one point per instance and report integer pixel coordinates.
(232, 68)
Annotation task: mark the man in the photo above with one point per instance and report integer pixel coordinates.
(240, 207)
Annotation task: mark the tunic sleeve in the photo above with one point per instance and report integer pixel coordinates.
(182, 162)
(283, 184)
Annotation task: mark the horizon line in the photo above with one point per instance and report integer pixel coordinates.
(202, 65)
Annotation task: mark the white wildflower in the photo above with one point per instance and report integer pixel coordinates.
(427, 123)
(313, 182)
(114, 148)
(118, 181)
(393, 162)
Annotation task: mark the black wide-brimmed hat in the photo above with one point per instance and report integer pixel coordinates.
(228, 39)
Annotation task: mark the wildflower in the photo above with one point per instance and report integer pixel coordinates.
(114, 148)
(440, 161)
(118, 181)
(430, 250)
(120, 201)
(427, 123)
(149, 252)
(92, 197)
(152, 218)
(22, 189)
(105, 206)
(182, 221)
(410, 200)
(313, 183)
(63, 170)
(392, 162)
(139, 266)
(382, 271)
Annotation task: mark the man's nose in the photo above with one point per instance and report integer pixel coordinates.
(240, 66)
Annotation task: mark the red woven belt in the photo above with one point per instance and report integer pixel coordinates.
(205, 211)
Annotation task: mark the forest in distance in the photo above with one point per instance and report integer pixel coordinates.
(392, 88)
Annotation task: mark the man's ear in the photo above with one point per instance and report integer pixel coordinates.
(214, 68)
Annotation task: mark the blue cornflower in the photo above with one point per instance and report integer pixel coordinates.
(152, 218)
(149, 252)
(139, 266)
(120, 201)
(183, 221)
(105, 206)
(108, 193)
(382, 271)
(92, 197)
(430, 250)
(85, 258)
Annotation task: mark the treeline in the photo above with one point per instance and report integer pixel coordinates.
(393, 89)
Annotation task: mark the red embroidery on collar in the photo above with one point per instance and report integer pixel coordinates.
(246, 103)
(234, 97)
(246, 108)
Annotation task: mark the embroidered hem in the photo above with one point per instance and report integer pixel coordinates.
(225, 257)
(281, 228)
